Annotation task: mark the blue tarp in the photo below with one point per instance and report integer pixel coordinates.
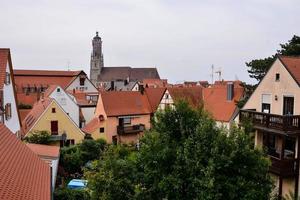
(77, 184)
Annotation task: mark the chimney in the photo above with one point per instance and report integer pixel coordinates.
(230, 91)
(112, 85)
(141, 88)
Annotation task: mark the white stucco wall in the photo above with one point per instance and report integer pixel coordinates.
(9, 97)
(166, 99)
(88, 113)
(87, 87)
(285, 87)
(67, 103)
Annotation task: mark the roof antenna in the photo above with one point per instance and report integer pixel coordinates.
(219, 72)
(68, 65)
(212, 74)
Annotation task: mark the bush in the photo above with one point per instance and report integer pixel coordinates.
(38, 137)
(71, 194)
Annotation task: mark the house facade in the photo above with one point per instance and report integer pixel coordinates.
(9, 114)
(275, 115)
(120, 117)
(65, 101)
(48, 115)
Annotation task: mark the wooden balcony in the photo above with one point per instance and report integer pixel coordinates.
(284, 124)
(283, 167)
(124, 130)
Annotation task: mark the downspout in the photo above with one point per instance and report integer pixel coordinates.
(297, 170)
(51, 186)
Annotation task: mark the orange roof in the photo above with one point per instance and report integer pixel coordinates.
(44, 150)
(24, 113)
(27, 99)
(215, 101)
(81, 97)
(118, 103)
(49, 90)
(154, 96)
(193, 95)
(155, 83)
(292, 64)
(35, 113)
(23, 174)
(4, 53)
(24, 72)
(91, 126)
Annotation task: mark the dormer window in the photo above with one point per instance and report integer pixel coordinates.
(7, 78)
(277, 78)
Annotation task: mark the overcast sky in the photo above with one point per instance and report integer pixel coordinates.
(182, 38)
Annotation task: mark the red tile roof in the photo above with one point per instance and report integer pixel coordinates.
(24, 113)
(23, 72)
(23, 174)
(4, 53)
(292, 64)
(215, 101)
(91, 126)
(44, 150)
(154, 83)
(154, 96)
(193, 95)
(81, 97)
(118, 103)
(35, 113)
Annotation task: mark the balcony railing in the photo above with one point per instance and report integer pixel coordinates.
(283, 167)
(57, 137)
(123, 130)
(284, 123)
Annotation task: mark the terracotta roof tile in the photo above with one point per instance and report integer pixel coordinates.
(292, 63)
(24, 113)
(154, 96)
(23, 174)
(193, 95)
(91, 126)
(44, 150)
(38, 108)
(215, 101)
(4, 53)
(117, 103)
(23, 72)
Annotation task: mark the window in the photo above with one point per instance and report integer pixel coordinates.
(266, 103)
(166, 96)
(58, 90)
(7, 78)
(54, 127)
(82, 79)
(127, 120)
(277, 77)
(53, 110)
(8, 111)
(102, 130)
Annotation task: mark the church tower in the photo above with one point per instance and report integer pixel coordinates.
(96, 59)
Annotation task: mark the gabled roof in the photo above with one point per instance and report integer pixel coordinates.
(23, 174)
(37, 78)
(44, 150)
(49, 90)
(215, 101)
(118, 103)
(292, 64)
(193, 95)
(122, 73)
(81, 97)
(154, 96)
(37, 110)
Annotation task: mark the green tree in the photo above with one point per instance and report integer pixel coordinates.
(184, 156)
(71, 194)
(112, 177)
(257, 68)
(91, 149)
(39, 137)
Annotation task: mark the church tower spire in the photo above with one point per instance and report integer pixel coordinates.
(96, 59)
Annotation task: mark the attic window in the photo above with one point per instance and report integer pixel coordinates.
(81, 80)
(7, 78)
(53, 110)
(277, 77)
(58, 89)
(102, 130)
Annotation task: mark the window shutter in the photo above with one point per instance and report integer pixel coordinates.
(7, 111)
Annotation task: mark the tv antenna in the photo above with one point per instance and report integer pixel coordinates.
(219, 72)
(212, 74)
